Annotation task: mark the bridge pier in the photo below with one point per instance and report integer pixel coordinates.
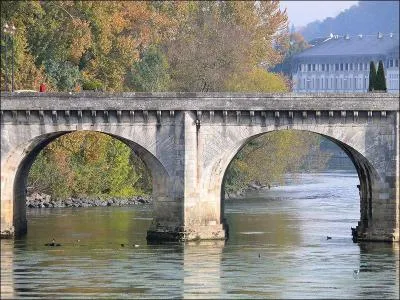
(201, 209)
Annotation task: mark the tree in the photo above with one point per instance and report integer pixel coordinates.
(62, 75)
(268, 158)
(372, 77)
(84, 164)
(150, 73)
(380, 84)
(297, 45)
(223, 39)
(257, 80)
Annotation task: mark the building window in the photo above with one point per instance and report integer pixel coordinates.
(346, 67)
(351, 67)
(391, 63)
(313, 67)
(354, 83)
(336, 67)
(309, 67)
(341, 67)
(366, 67)
(326, 83)
(323, 67)
(304, 84)
(361, 66)
(397, 63)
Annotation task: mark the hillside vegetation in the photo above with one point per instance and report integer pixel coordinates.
(148, 46)
(368, 17)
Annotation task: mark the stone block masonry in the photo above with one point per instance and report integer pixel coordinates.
(187, 140)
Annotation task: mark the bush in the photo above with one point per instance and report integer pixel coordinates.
(92, 85)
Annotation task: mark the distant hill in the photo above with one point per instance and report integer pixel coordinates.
(368, 17)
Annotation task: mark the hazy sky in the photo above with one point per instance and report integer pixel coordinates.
(303, 12)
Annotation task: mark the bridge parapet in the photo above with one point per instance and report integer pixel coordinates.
(200, 101)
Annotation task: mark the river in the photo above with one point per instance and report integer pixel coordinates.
(278, 248)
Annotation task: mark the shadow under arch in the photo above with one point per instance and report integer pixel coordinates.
(18, 170)
(367, 175)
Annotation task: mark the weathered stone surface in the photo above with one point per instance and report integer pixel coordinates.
(188, 140)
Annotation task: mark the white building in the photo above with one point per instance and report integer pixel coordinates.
(341, 63)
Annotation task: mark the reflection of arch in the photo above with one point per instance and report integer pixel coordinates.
(16, 166)
(367, 174)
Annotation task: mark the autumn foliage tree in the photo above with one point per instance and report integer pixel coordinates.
(220, 40)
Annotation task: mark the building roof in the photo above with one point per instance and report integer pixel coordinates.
(357, 45)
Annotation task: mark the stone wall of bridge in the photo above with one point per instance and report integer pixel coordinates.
(160, 147)
(369, 141)
(188, 140)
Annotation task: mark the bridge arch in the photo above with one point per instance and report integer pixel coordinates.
(369, 177)
(16, 166)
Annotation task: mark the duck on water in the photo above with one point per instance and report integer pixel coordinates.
(53, 244)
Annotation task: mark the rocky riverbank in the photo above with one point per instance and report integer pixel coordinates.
(37, 200)
(253, 186)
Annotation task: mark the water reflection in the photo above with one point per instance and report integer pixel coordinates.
(379, 269)
(202, 269)
(272, 228)
(277, 249)
(7, 266)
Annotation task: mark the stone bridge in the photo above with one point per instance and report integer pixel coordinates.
(188, 140)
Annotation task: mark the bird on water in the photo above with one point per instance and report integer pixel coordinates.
(53, 243)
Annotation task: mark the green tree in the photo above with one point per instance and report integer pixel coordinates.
(63, 75)
(372, 77)
(380, 84)
(150, 73)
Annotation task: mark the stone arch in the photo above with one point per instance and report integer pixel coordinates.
(367, 174)
(16, 166)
